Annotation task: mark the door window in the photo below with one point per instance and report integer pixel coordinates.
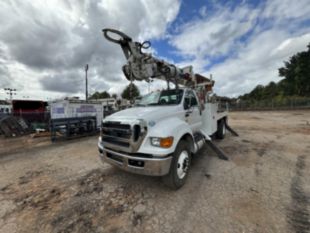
(190, 100)
(193, 99)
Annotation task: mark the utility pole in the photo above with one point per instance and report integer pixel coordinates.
(10, 92)
(86, 83)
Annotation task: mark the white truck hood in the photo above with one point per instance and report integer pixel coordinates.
(153, 113)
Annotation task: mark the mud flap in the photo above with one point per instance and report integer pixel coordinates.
(233, 132)
(217, 150)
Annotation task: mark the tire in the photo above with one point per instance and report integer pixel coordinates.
(179, 167)
(221, 129)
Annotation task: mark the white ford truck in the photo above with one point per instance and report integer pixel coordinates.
(159, 136)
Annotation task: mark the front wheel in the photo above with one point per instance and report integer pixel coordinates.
(180, 165)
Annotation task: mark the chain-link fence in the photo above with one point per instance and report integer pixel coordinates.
(275, 104)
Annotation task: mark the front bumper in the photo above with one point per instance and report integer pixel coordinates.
(139, 165)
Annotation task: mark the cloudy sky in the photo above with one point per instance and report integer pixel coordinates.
(44, 45)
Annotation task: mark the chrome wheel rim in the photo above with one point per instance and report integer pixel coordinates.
(182, 165)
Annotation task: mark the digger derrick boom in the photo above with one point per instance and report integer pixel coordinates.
(143, 66)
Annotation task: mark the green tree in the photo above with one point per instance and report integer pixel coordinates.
(114, 96)
(130, 92)
(270, 91)
(296, 81)
(296, 73)
(257, 92)
(100, 95)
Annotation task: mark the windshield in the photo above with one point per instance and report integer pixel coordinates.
(165, 97)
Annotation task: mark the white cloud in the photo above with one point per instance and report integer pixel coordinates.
(257, 63)
(46, 44)
(273, 37)
(280, 10)
(215, 35)
(291, 46)
(203, 11)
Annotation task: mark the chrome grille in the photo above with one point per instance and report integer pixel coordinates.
(123, 137)
(116, 133)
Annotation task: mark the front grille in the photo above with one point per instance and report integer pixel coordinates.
(122, 137)
(116, 125)
(116, 133)
(116, 130)
(116, 141)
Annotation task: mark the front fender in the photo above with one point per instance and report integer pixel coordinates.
(173, 126)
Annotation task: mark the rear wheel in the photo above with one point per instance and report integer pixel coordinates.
(221, 129)
(179, 168)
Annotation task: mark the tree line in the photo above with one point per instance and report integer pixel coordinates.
(295, 82)
(131, 91)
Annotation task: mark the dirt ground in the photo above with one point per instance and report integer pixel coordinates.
(264, 187)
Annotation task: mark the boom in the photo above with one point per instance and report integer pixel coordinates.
(143, 66)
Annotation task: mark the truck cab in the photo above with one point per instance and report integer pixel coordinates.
(158, 136)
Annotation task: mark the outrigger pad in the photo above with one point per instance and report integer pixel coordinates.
(231, 130)
(217, 150)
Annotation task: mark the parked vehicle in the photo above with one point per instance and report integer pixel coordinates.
(160, 134)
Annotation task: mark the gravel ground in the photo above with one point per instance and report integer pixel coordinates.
(264, 187)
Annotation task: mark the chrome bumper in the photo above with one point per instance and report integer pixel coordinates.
(138, 165)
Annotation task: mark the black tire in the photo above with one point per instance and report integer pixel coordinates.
(221, 129)
(174, 179)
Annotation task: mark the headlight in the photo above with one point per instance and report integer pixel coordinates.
(155, 141)
(162, 142)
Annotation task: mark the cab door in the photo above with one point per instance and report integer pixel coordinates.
(192, 110)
